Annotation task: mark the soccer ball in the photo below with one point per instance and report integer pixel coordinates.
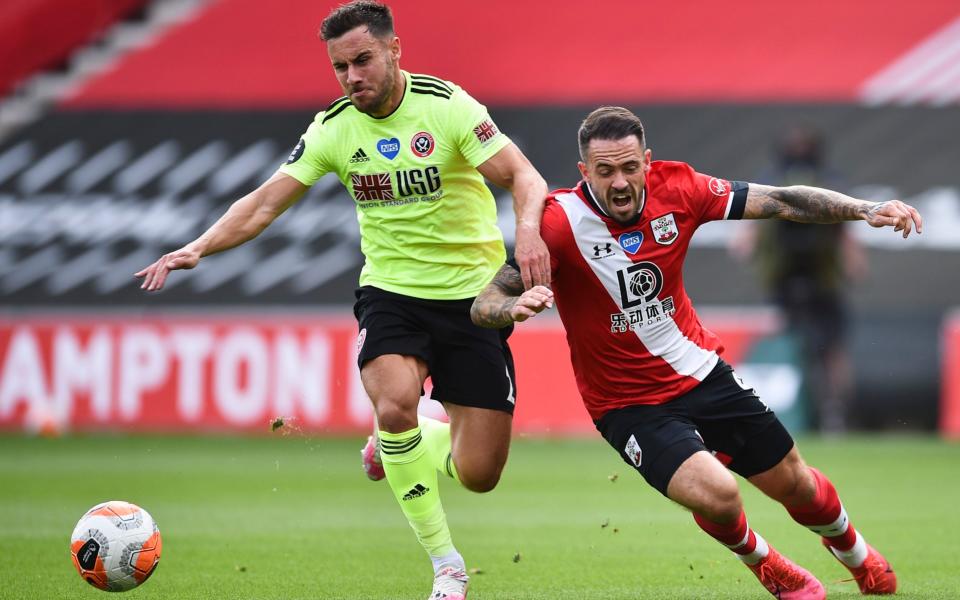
(642, 283)
(115, 546)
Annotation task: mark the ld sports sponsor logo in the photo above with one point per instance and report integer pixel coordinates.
(639, 283)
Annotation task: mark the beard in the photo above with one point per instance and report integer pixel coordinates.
(629, 213)
(378, 103)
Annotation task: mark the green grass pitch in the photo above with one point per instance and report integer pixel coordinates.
(293, 517)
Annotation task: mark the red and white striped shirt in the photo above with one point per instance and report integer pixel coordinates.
(633, 334)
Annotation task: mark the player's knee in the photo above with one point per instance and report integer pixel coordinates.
(799, 488)
(480, 478)
(481, 485)
(796, 485)
(722, 502)
(394, 416)
(725, 505)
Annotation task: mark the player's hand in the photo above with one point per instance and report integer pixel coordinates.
(532, 257)
(531, 302)
(155, 275)
(896, 214)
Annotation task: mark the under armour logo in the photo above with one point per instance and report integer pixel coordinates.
(602, 250)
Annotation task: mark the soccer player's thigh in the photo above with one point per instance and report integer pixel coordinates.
(742, 431)
(473, 375)
(393, 352)
(663, 445)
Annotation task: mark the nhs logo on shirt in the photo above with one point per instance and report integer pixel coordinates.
(631, 241)
(389, 148)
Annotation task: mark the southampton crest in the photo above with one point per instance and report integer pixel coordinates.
(664, 229)
(633, 451)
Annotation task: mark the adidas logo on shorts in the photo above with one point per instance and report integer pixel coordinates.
(359, 156)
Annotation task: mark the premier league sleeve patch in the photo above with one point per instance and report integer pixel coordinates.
(718, 187)
(297, 152)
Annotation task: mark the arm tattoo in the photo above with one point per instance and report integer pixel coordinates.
(492, 307)
(808, 204)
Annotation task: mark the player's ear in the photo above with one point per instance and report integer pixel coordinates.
(583, 169)
(395, 48)
(647, 157)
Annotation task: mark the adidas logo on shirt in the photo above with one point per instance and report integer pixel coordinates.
(417, 491)
(359, 156)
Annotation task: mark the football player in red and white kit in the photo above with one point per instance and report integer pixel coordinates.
(650, 374)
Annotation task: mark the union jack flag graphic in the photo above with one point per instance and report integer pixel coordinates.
(486, 130)
(371, 187)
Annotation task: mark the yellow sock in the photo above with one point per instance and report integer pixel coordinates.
(436, 438)
(413, 478)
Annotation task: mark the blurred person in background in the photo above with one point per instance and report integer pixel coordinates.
(413, 150)
(651, 375)
(806, 270)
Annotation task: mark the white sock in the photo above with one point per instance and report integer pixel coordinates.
(855, 556)
(760, 551)
(448, 560)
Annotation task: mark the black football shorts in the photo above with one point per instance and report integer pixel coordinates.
(469, 365)
(721, 415)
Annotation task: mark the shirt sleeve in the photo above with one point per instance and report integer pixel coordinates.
(715, 199)
(551, 231)
(306, 162)
(477, 135)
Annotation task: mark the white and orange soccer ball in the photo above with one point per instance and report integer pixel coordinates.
(115, 546)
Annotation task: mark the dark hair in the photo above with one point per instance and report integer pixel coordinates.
(375, 16)
(609, 123)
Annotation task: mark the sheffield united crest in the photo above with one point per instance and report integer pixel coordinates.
(665, 229)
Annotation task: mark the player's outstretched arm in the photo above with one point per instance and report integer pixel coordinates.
(504, 300)
(243, 221)
(511, 170)
(808, 204)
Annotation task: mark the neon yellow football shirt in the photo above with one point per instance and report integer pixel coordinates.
(428, 223)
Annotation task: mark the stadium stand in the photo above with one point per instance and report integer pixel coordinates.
(512, 53)
(145, 153)
(41, 34)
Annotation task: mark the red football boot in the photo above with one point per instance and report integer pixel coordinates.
(786, 580)
(875, 576)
